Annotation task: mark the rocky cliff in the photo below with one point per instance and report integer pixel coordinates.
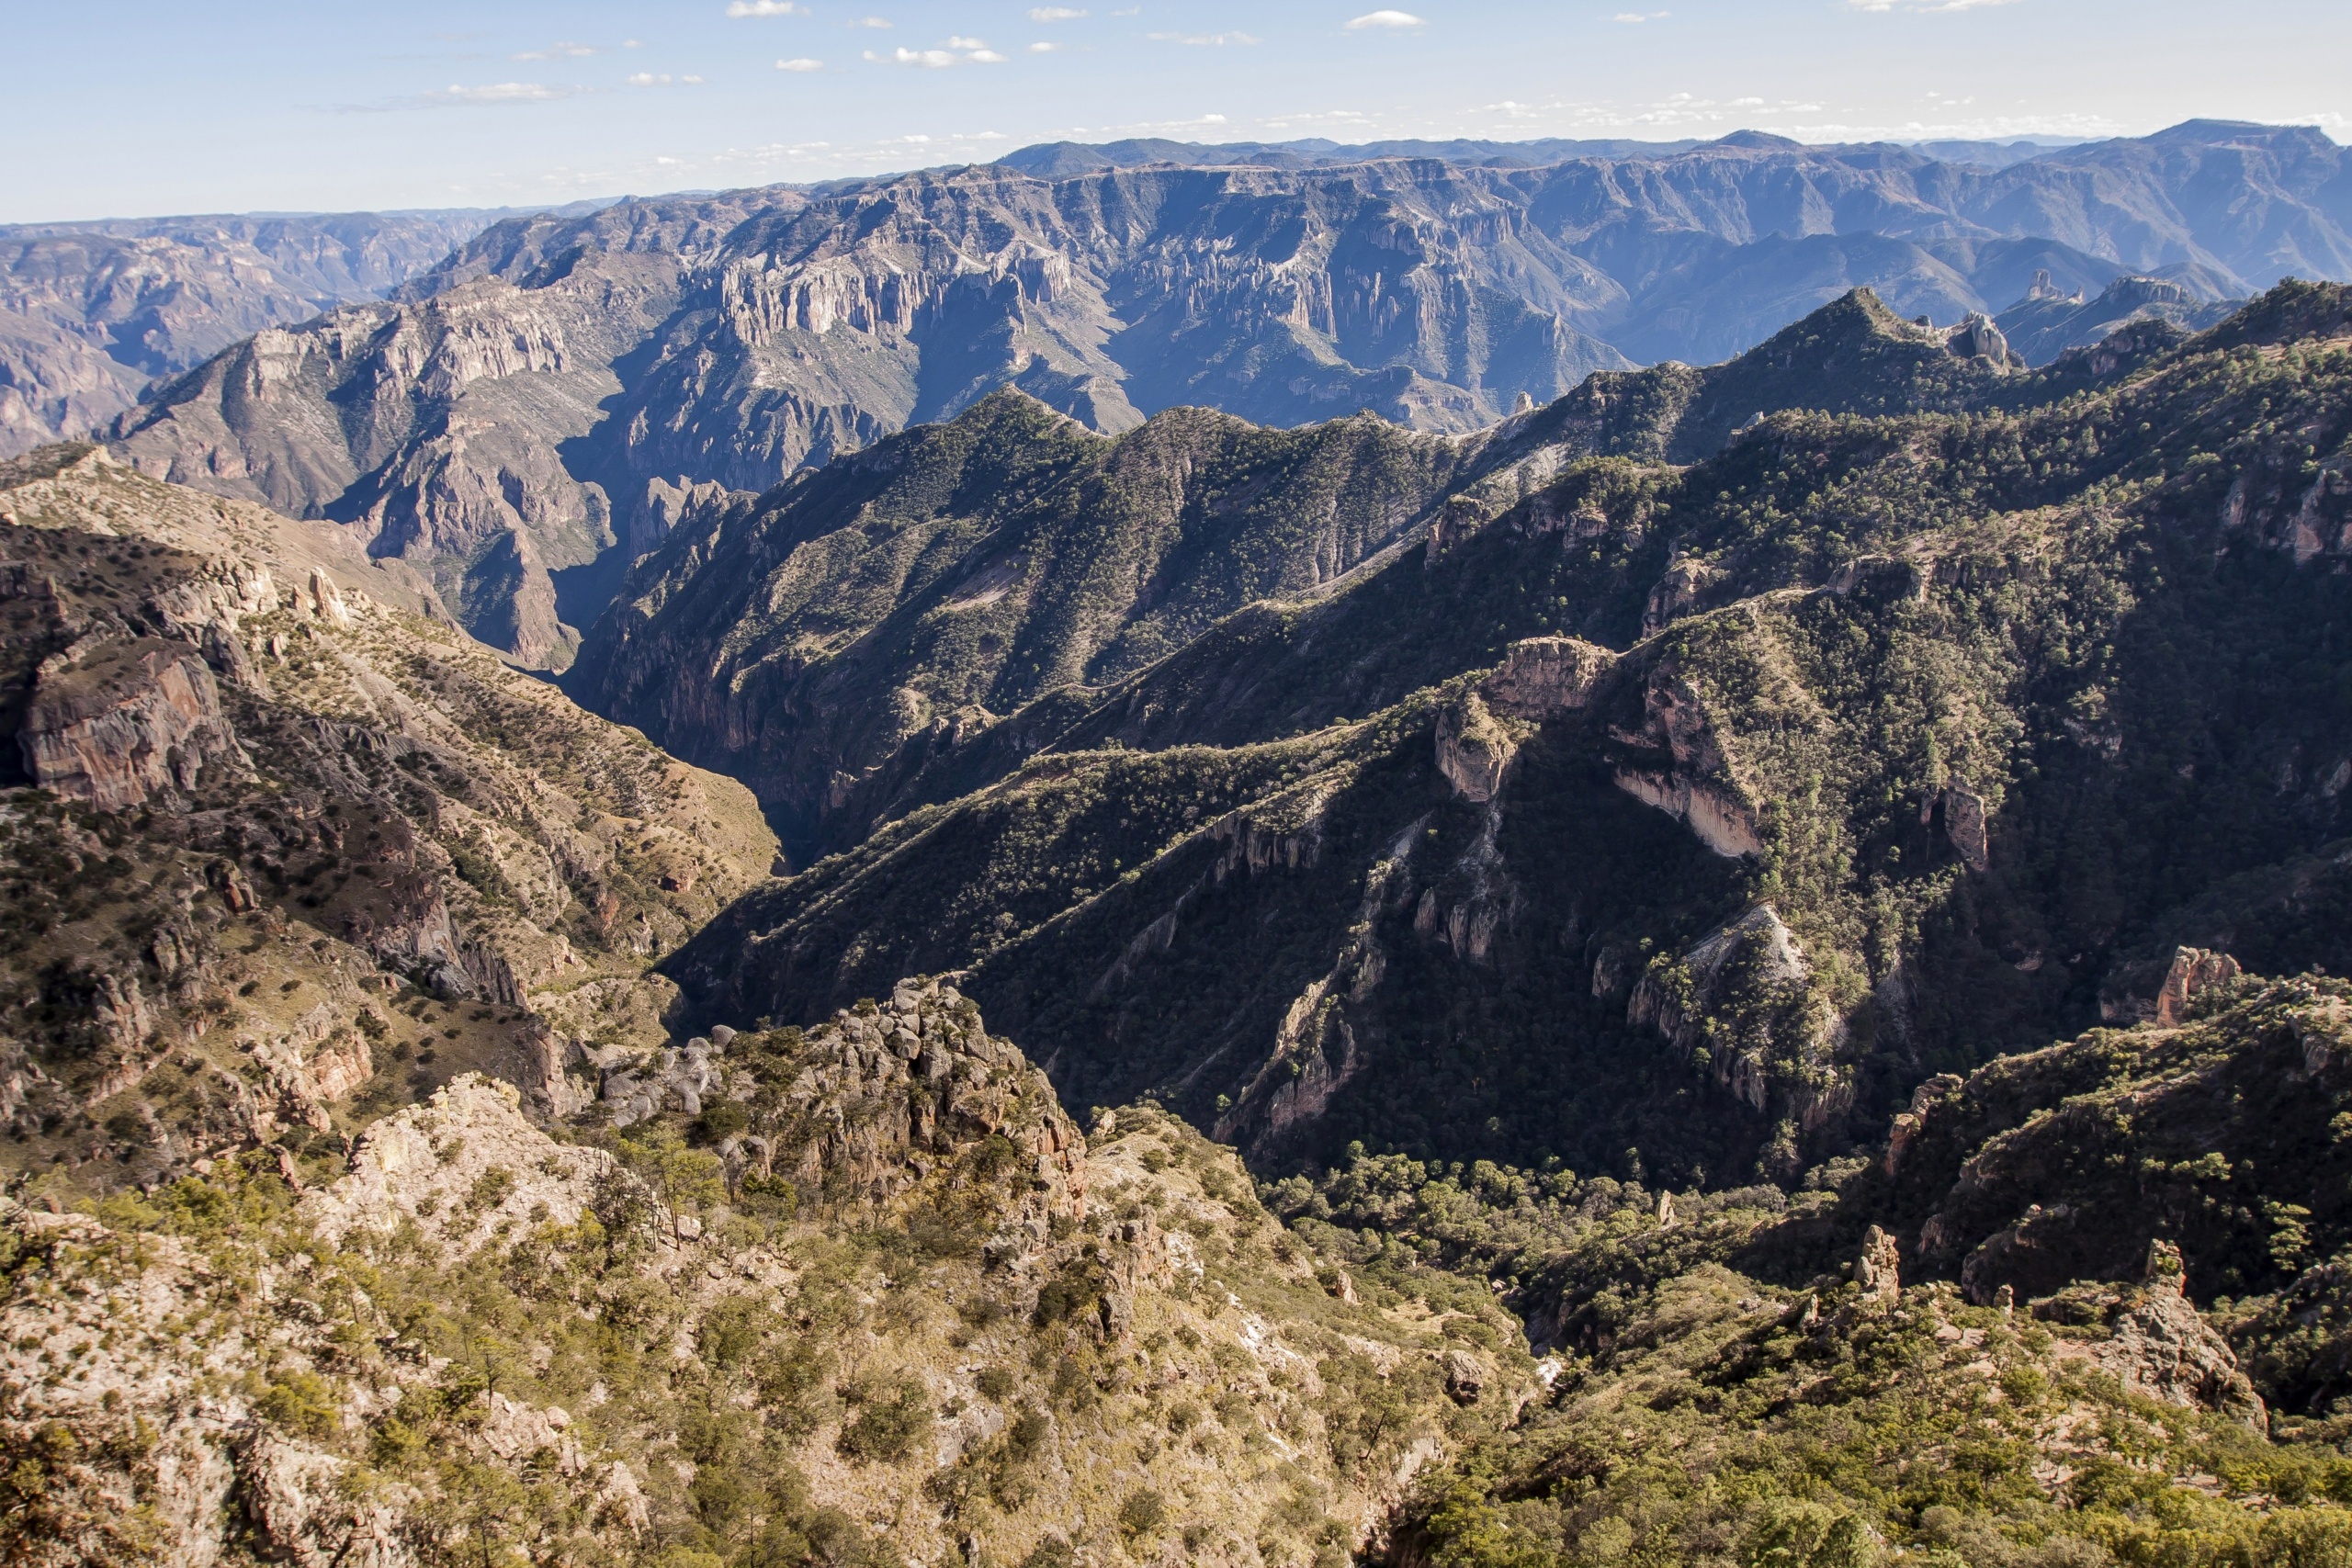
(91, 313)
(285, 848)
(739, 338)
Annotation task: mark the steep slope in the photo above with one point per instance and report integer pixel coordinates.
(90, 312)
(849, 644)
(825, 640)
(2049, 321)
(1891, 742)
(737, 339)
(283, 848)
(914, 1314)
(430, 431)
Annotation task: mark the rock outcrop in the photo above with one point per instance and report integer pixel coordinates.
(1544, 677)
(1474, 749)
(874, 1101)
(1694, 785)
(115, 724)
(2159, 992)
(2162, 1347)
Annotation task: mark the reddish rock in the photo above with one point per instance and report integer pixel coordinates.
(123, 721)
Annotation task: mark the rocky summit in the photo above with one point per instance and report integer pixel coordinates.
(1498, 959)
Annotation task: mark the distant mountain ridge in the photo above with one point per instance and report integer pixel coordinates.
(91, 311)
(502, 423)
(1051, 159)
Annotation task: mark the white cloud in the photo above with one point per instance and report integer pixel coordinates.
(803, 65)
(1877, 5)
(555, 52)
(1042, 48)
(763, 8)
(959, 52)
(874, 22)
(1054, 13)
(1637, 18)
(1203, 40)
(663, 79)
(632, 43)
(499, 92)
(1385, 19)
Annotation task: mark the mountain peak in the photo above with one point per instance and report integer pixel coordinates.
(1758, 140)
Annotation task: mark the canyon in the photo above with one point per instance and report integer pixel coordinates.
(502, 423)
(1169, 854)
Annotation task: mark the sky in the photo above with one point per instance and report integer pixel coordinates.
(132, 109)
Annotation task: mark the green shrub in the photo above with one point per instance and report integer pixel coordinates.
(1142, 1513)
(719, 1120)
(886, 1427)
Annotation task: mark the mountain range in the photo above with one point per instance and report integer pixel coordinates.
(91, 313)
(1691, 762)
(1734, 967)
(502, 423)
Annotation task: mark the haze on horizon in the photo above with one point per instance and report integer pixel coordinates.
(148, 110)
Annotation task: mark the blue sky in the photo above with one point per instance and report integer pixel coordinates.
(144, 108)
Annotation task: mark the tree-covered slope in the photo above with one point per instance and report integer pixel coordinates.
(1891, 742)
(844, 636)
(2082, 1306)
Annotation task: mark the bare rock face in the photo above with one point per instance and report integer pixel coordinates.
(2193, 969)
(1720, 819)
(1474, 749)
(2141, 993)
(1878, 1270)
(1964, 825)
(2163, 1348)
(1543, 676)
(667, 506)
(116, 724)
(1977, 338)
(1693, 783)
(1909, 1124)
